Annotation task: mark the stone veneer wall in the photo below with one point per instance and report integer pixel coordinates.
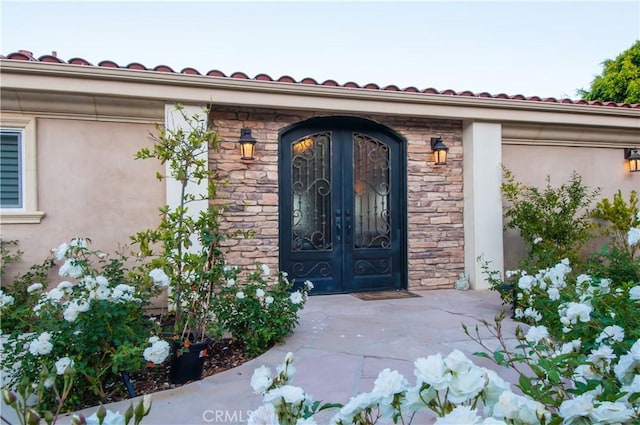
(434, 193)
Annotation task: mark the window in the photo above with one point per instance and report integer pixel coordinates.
(11, 168)
(18, 174)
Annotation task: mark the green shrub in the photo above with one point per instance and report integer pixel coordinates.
(553, 222)
(256, 311)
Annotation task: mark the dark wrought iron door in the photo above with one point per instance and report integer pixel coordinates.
(342, 219)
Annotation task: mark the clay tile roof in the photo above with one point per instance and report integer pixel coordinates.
(240, 75)
(190, 71)
(216, 73)
(25, 55)
(79, 61)
(138, 66)
(286, 79)
(50, 58)
(108, 64)
(164, 68)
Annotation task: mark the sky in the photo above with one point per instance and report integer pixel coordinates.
(541, 48)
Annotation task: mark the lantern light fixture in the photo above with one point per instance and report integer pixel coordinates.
(440, 151)
(632, 156)
(247, 145)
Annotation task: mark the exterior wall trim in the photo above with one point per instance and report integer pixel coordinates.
(198, 89)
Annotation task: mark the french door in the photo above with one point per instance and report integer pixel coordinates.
(342, 213)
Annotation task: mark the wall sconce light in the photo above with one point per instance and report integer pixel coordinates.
(247, 144)
(633, 157)
(439, 151)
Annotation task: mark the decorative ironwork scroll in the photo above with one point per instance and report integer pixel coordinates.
(371, 192)
(311, 193)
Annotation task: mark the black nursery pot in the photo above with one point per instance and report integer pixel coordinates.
(188, 365)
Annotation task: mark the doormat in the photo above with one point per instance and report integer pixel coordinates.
(384, 295)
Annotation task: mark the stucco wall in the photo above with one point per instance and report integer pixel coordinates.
(599, 167)
(89, 185)
(435, 200)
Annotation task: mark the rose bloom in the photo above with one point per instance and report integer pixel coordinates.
(537, 333)
(460, 415)
(261, 380)
(295, 297)
(240, 295)
(388, 384)
(634, 293)
(432, 371)
(63, 364)
(286, 393)
(263, 415)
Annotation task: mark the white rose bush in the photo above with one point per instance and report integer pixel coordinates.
(257, 307)
(86, 329)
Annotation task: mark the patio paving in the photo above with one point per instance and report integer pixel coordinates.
(339, 346)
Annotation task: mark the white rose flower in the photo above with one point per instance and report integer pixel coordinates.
(157, 352)
(609, 412)
(34, 287)
(519, 409)
(388, 384)
(265, 270)
(526, 282)
(602, 356)
(159, 277)
(578, 311)
(263, 415)
(286, 393)
(153, 339)
(261, 380)
(432, 371)
(295, 297)
(308, 285)
(554, 293)
(230, 282)
(41, 345)
(102, 281)
(457, 362)
(625, 369)
(239, 295)
(633, 236)
(465, 386)
(5, 299)
(259, 293)
(63, 364)
(537, 333)
(634, 293)
(537, 240)
(61, 251)
(613, 333)
(577, 407)
(355, 405)
(70, 268)
(102, 292)
(460, 415)
(71, 312)
(268, 299)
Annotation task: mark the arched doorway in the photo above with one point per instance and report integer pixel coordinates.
(342, 191)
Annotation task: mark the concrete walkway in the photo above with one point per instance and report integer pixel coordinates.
(340, 346)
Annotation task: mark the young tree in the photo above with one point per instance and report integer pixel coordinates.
(620, 79)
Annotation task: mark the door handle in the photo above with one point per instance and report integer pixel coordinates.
(347, 225)
(338, 225)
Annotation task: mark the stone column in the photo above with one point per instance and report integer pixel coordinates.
(482, 176)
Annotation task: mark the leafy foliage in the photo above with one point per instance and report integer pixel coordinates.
(256, 311)
(553, 222)
(620, 79)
